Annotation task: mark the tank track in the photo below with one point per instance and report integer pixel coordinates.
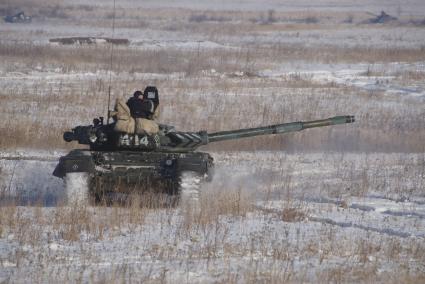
(153, 192)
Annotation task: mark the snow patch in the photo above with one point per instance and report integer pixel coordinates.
(77, 188)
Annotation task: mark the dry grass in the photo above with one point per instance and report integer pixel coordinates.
(30, 112)
(218, 202)
(224, 231)
(32, 116)
(189, 61)
(228, 239)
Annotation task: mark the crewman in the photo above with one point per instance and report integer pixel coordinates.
(140, 107)
(151, 93)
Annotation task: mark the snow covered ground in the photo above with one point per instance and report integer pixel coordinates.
(336, 204)
(315, 216)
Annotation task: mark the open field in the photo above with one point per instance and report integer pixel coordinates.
(340, 204)
(270, 216)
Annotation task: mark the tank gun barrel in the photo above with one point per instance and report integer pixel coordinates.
(278, 128)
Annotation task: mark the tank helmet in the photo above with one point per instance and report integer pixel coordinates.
(151, 93)
(137, 94)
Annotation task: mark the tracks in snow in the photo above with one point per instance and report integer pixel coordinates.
(379, 215)
(190, 187)
(29, 158)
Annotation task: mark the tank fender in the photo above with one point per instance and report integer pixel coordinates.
(74, 164)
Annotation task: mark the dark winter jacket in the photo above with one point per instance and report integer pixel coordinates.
(141, 108)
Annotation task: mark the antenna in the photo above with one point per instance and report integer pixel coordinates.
(110, 67)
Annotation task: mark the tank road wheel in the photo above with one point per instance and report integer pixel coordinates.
(168, 192)
(109, 190)
(151, 192)
(77, 189)
(190, 187)
(160, 193)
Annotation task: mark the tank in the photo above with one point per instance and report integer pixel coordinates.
(119, 163)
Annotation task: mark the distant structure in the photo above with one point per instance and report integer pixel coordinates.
(382, 18)
(89, 40)
(18, 18)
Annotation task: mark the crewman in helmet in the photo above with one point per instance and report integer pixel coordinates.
(141, 107)
(151, 93)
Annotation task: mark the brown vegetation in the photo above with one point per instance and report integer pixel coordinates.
(35, 114)
(47, 88)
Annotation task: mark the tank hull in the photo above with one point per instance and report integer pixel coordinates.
(129, 171)
(132, 164)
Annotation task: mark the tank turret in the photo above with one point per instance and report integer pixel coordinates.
(103, 137)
